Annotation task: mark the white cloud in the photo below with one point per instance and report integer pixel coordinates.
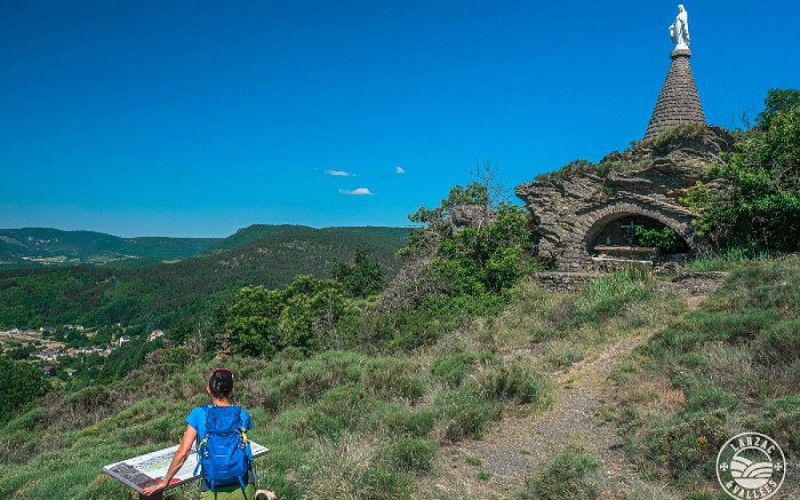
(356, 192)
(399, 170)
(338, 173)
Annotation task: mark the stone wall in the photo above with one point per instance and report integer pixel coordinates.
(571, 207)
(564, 282)
(684, 283)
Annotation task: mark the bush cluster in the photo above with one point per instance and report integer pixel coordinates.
(755, 201)
(735, 360)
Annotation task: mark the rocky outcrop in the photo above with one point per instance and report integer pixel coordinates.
(571, 207)
(477, 216)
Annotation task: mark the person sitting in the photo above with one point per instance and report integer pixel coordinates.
(217, 424)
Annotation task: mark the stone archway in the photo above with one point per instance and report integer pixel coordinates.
(592, 221)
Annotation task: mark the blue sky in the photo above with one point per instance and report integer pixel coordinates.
(195, 118)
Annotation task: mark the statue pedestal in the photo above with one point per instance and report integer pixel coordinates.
(681, 52)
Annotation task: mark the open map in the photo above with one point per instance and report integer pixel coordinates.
(143, 471)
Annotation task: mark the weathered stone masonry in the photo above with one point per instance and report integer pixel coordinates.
(570, 210)
(679, 103)
(579, 212)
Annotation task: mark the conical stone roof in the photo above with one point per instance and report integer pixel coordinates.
(679, 103)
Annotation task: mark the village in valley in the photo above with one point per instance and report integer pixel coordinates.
(66, 351)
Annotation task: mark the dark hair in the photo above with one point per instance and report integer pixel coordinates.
(221, 383)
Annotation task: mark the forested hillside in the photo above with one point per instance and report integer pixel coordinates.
(53, 246)
(159, 294)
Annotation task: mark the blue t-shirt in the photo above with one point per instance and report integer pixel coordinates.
(197, 419)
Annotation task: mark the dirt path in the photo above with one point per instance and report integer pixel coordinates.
(522, 444)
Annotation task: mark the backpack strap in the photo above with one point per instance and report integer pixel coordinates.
(247, 450)
(200, 446)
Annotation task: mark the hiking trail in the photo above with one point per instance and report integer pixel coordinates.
(521, 444)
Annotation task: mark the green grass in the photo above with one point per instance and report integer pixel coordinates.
(336, 422)
(572, 474)
(365, 421)
(726, 260)
(735, 359)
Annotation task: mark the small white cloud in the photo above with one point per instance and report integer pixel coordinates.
(338, 173)
(399, 170)
(356, 192)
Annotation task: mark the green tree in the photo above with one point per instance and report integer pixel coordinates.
(755, 202)
(477, 242)
(181, 330)
(263, 322)
(362, 277)
(23, 384)
(127, 357)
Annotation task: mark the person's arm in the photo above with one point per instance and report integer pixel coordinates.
(178, 460)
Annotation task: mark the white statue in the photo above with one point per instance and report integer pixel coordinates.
(679, 30)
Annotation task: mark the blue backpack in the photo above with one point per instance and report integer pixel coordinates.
(224, 455)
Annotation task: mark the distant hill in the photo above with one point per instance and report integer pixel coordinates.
(52, 246)
(160, 293)
(257, 232)
(252, 233)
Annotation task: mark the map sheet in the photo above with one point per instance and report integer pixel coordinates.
(143, 471)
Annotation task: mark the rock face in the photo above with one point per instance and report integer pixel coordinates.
(572, 208)
(471, 216)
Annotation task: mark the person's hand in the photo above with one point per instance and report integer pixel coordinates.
(160, 485)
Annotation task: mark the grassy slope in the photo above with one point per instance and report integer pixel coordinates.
(338, 422)
(377, 426)
(731, 366)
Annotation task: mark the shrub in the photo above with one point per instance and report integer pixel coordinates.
(574, 167)
(393, 378)
(408, 422)
(707, 397)
(757, 204)
(513, 382)
(665, 139)
(564, 356)
(85, 406)
(703, 326)
(476, 244)
(340, 410)
(23, 385)
(380, 482)
(466, 413)
(349, 468)
(362, 277)
(687, 444)
(27, 421)
(453, 368)
(784, 417)
(779, 343)
(264, 322)
(572, 474)
(305, 381)
(405, 328)
(726, 259)
(665, 239)
(411, 454)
